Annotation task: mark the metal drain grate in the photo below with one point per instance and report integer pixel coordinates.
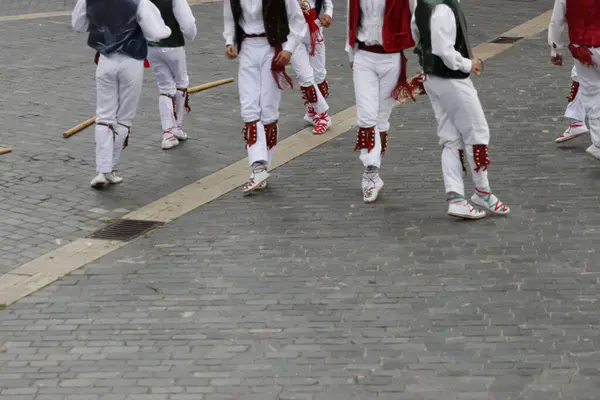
(125, 230)
(506, 39)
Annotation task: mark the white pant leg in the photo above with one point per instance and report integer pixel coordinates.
(318, 61)
(178, 63)
(159, 63)
(460, 102)
(388, 69)
(259, 94)
(589, 88)
(131, 79)
(305, 74)
(366, 91)
(121, 133)
(270, 96)
(107, 104)
(452, 144)
(575, 109)
(249, 81)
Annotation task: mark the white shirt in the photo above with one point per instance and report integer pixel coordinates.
(558, 25)
(327, 6)
(149, 19)
(443, 38)
(185, 19)
(252, 22)
(371, 27)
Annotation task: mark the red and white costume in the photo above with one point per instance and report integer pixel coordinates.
(308, 62)
(582, 20)
(378, 32)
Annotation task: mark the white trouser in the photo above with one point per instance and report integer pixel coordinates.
(575, 109)
(589, 88)
(303, 65)
(119, 81)
(461, 125)
(170, 69)
(259, 94)
(375, 76)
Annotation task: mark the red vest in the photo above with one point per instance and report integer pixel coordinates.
(396, 25)
(583, 18)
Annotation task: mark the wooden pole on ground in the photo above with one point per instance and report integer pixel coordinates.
(5, 150)
(79, 127)
(209, 85)
(191, 90)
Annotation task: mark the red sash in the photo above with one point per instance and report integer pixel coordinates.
(315, 32)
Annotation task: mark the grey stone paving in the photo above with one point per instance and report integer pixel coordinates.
(45, 200)
(19, 7)
(306, 293)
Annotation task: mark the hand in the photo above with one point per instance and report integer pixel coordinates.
(556, 60)
(231, 52)
(325, 20)
(352, 66)
(477, 67)
(283, 58)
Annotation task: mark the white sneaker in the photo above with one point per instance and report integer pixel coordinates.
(111, 177)
(574, 130)
(180, 134)
(309, 117)
(99, 181)
(489, 202)
(462, 209)
(594, 152)
(259, 175)
(169, 141)
(371, 185)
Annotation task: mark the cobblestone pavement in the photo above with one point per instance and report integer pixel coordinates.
(45, 200)
(305, 292)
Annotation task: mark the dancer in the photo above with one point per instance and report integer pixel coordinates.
(575, 111)
(582, 18)
(308, 63)
(440, 29)
(378, 32)
(168, 63)
(118, 30)
(264, 33)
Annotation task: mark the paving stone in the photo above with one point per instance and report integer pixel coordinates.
(301, 293)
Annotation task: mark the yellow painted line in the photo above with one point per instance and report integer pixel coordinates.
(52, 14)
(38, 273)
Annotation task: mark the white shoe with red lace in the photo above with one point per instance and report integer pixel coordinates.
(462, 209)
(489, 202)
(180, 134)
(371, 184)
(169, 141)
(574, 130)
(322, 122)
(257, 178)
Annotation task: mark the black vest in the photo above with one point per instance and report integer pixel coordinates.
(114, 28)
(274, 14)
(166, 11)
(318, 6)
(431, 63)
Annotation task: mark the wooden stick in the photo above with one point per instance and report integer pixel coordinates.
(205, 86)
(5, 150)
(193, 89)
(79, 127)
